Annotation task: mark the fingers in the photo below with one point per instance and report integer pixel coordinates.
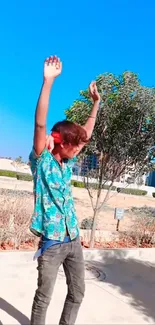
(92, 84)
(92, 87)
(49, 143)
(50, 59)
(54, 61)
(58, 63)
(47, 61)
(95, 87)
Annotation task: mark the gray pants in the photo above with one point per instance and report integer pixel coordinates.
(71, 256)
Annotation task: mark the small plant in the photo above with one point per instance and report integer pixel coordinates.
(87, 223)
(77, 184)
(24, 177)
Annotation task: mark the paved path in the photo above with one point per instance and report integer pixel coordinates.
(117, 292)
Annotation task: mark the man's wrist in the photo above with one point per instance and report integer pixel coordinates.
(48, 82)
(97, 102)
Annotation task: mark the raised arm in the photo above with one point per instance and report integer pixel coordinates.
(89, 126)
(52, 69)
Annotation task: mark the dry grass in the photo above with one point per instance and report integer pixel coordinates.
(143, 233)
(15, 214)
(16, 209)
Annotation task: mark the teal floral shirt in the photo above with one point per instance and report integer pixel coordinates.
(54, 210)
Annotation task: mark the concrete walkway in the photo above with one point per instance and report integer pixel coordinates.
(119, 290)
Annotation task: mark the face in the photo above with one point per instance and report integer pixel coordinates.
(68, 151)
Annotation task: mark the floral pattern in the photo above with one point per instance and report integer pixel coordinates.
(54, 207)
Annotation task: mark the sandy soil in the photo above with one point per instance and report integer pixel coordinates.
(83, 206)
(106, 219)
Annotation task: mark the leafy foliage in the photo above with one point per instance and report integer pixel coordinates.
(124, 130)
(126, 121)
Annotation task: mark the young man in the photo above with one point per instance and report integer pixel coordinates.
(54, 218)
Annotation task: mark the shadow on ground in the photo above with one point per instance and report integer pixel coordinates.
(15, 313)
(134, 279)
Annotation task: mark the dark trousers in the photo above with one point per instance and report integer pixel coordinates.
(71, 256)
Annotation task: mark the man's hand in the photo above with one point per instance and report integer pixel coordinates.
(49, 143)
(52, 68)
(94, 92)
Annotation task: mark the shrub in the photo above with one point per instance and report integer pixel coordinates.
(24, 177)
(143, 232)
(131, 191)
(19, 176)
(144, 211)
(106, 187)
(87, 223)
(8, 173)
(91, 185)
(77, 184)
(153, 194)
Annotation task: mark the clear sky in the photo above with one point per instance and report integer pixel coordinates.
(91, 37)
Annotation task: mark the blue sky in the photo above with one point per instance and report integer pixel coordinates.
(90, 38)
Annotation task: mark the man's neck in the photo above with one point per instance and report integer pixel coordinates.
(57, 156)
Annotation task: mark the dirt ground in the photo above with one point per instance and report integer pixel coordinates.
(106, 219)
(82, 204)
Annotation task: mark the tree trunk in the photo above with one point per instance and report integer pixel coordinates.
(92, 236)
(96, 212)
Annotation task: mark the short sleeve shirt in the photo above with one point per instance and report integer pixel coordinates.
(54, 211)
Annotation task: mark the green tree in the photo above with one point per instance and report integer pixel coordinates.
(19, 160)
(124, 130)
